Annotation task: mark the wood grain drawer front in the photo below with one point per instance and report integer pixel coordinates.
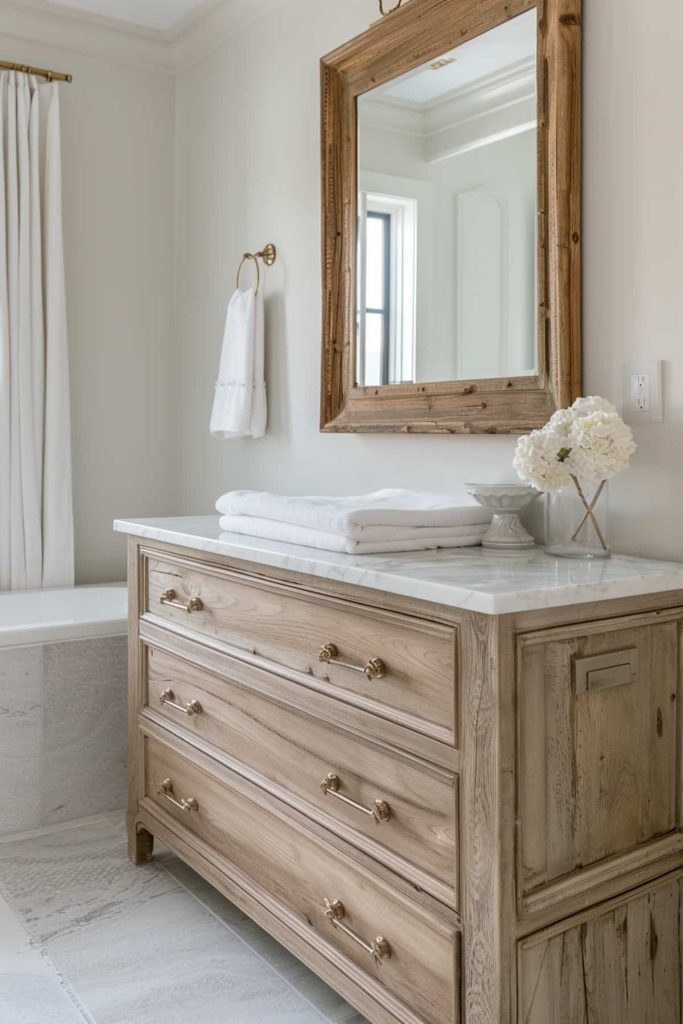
(416, 962)
(598, 725)
(395, 665)
(618, 964)
(403, 811)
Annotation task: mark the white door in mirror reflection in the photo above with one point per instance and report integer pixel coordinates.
(494, 277)
(447, 216)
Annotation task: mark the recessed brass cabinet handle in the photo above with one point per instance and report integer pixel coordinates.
(193, 707)
(374, 669)
(166, 790)
(379, 949)
(195, 604)
(379, 810)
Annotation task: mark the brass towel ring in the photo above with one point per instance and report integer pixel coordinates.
(249, 256)
(383, 12)
(268, 254)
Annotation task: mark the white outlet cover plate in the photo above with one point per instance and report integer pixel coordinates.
(655, 413)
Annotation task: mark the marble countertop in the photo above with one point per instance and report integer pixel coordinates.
(494, 583)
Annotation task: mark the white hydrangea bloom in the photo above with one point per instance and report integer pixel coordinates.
(587, 406)
(538, 460)
(602, 445)
(561, 423)
(589, 442)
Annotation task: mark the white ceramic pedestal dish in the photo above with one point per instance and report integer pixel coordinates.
(506, 501)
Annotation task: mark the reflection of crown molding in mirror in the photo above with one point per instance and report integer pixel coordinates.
(498, 106)
(460, 135)
(421, 31)
(495, 90)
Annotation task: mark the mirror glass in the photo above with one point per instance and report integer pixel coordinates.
(447, 266)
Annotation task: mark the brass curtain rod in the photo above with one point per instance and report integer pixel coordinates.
(52, 76)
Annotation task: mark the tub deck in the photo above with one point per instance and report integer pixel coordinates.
(70, 613)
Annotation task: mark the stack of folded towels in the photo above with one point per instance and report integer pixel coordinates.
(388, 520)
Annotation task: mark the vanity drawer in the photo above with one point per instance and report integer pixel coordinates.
(297, 872)
(401, 810)
(598, 735)
(397, 666)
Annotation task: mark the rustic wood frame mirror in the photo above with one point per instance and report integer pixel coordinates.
(404, 40)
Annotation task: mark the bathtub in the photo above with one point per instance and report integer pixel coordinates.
(74, 613)
(63, 669)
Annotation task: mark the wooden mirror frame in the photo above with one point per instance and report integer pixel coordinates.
(418, 32)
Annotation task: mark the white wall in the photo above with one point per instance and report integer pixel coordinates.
(247, 165)
(118, 187)
(248, 172)
(633, 243)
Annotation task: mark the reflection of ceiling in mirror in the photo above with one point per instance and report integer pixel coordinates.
(508, 47)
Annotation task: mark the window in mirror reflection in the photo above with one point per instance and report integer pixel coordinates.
(447, 215)
(387, 289)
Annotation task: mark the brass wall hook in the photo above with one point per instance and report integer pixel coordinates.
(383, 12)
(268, 254)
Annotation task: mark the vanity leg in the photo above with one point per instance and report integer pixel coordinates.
(140, 844)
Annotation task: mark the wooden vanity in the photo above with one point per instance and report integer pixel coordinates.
(460, 804)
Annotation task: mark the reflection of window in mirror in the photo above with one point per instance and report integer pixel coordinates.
(447, 215)
(386, 289)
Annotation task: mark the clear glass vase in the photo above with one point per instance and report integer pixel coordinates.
(577, 521)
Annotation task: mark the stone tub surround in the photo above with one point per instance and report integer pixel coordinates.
(86, 938)
(63, 745)
(491, 582)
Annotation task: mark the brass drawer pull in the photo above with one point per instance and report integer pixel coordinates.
(195, 604)
(166, 790)
(379, 810)
(193, 707)
(379, 949)
(374, 669)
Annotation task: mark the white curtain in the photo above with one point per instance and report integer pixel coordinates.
(36, 514)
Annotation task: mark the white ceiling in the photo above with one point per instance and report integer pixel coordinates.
(155, 14)
(505, 46)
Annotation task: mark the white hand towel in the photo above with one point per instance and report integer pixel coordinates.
(384, 539)
(350, 516)
(239, 408)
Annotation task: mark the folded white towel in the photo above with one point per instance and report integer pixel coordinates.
(383, 538)
(239, 408)
(350, 517)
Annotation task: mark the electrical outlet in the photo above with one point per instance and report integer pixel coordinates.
(643, 393)
(640, 392)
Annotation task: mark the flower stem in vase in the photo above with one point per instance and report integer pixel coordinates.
(590, 513)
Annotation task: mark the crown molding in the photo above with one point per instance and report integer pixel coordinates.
(37, 21)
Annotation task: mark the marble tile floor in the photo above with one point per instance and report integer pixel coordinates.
(87, 938)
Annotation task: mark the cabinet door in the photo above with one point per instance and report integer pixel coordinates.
(618, 964)
(597, 743)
